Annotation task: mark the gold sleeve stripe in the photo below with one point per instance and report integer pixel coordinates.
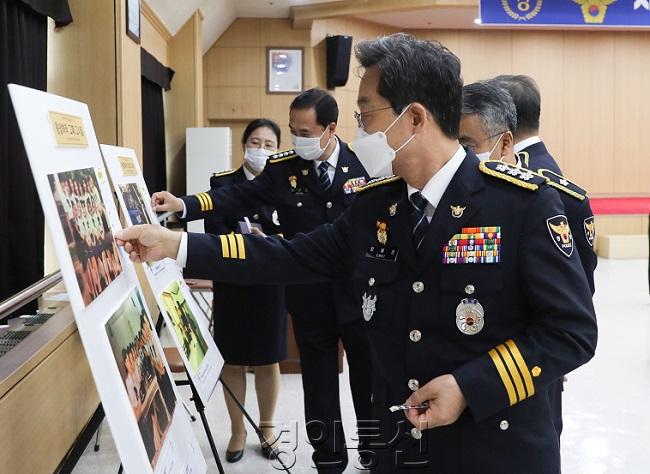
(204, 198)
(233, 246)
(514, 373)
(200, 198)
(530, 387)
(208, 199)
(505, 378)
(225, 252)
(240, 246)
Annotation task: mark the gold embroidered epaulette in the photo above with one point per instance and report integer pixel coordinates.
(522, 177)
(373, 183)
(283, 156)
(224, 173)
(563, 184)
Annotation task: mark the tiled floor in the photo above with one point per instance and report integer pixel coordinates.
(606, 414)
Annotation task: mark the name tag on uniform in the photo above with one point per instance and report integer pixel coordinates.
(473, 245)
(353, 185)
(381, 252)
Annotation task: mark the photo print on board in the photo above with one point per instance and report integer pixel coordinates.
(87, 230)
(142, 369)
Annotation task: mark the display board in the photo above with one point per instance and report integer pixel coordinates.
(182, 315)
(152, 431)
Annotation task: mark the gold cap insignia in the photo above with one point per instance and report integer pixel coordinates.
(457, 211)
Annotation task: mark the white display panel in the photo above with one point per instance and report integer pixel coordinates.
(208, 149)
(152, 431)
(182, 315)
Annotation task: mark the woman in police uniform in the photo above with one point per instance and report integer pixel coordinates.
(250, 322)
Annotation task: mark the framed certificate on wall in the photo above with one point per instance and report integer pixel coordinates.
(284, 70)
(133, 20)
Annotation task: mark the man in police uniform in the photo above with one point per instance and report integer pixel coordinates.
(489, 113)
(528, 144)
(473, 306)
(488, 125)
(309, 186)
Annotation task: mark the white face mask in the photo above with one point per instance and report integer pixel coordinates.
(256, 158)
(309, 148)
(374, 152)
(487, 154)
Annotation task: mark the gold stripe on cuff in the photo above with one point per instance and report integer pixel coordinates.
(233, 246)
(224, 246)
(514, 373)
(240, 246)
(514, 350)
(505, 378)
(208, 199)
(201, 202)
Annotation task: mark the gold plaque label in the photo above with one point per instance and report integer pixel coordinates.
(128, 166)
(68, 129)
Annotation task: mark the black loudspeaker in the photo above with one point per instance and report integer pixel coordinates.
(339, 49)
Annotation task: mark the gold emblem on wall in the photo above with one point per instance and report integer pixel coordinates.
(594, 10)
(522, 10)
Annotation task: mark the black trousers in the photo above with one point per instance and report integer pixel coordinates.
(318, 346)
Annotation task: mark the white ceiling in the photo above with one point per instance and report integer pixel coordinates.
(219, 14)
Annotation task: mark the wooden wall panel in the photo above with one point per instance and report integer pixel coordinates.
(184, 102)
(589, 94)
(485, 54)
(235, 77)
(540, 54)
(153, 41)
(89, 40)
(631, 117)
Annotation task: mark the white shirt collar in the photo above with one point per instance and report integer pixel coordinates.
(522, 145)
(249, 176)
(439, 182)
(333, 160)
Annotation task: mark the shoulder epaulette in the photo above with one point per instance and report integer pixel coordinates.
(224, 173)
(522, 177)
(283, 156)
(563, 184)
(373, 183)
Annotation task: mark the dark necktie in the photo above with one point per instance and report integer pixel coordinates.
(419, 221)
(324, 178)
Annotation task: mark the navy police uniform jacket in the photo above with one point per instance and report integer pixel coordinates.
(290, 184)
(581, 218)
(507, 317)
(250, 320)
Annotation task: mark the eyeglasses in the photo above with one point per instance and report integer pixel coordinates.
(477, 145)
(358, 116)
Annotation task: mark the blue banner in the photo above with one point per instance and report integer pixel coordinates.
(617, 13)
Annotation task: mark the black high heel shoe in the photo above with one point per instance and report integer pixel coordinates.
(268, 451)
(234, 456)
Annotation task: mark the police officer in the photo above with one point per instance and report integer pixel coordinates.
(528, 144)
(473, 306)
(309, 185)
(250, 322)
(489, 113)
